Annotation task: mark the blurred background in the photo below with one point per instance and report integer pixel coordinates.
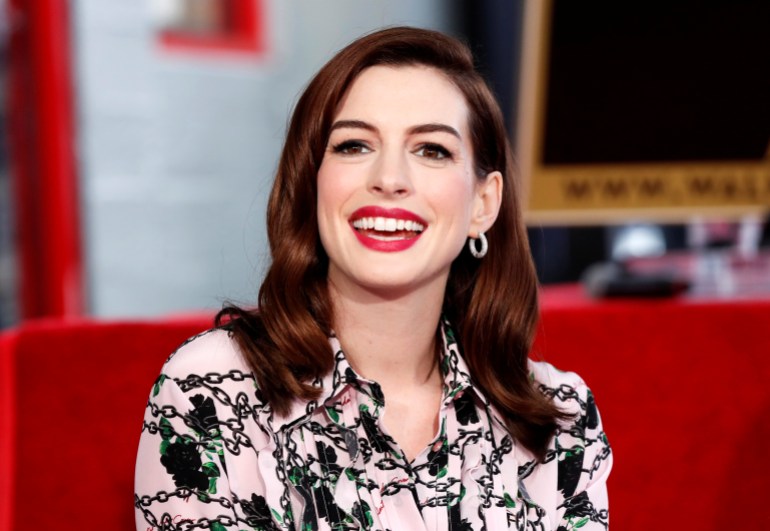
(139, 138)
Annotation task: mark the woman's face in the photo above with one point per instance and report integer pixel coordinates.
(397, 191)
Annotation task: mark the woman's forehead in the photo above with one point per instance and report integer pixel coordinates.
(404, 96)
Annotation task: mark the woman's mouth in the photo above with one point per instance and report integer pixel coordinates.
(387, 230)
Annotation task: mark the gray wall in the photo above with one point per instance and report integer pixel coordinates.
(176, 153)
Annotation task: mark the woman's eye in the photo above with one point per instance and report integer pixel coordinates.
(433, 151)
(351, 147)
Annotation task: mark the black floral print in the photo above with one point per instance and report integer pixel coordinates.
(183, 462)
(466, 409)
(257, 513)
(376, 438)
(204, 414)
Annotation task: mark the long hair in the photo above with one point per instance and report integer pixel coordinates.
(491, 303)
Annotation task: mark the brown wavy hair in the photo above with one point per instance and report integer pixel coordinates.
(491, 303)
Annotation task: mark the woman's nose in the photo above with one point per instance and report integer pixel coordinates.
(390, 175)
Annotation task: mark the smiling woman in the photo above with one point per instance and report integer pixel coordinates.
(383, 382)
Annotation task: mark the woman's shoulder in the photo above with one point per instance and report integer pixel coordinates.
(214, 351)
(547, 375)
(564, 387)
(204, 379)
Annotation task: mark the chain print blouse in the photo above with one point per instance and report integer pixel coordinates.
(213, 455)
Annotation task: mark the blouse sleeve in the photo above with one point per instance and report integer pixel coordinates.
(181, 474)
(584, 463)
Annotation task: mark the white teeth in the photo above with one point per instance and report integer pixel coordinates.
(381, 224)
(384, 238)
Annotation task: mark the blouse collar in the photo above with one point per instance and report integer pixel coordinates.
(456, 378)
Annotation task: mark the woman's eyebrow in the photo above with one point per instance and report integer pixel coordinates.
(354, 124)
(433, 128)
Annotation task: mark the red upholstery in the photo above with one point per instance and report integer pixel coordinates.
(682, 388)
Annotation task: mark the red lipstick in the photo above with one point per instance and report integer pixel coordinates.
(381, 212)
(400, 241)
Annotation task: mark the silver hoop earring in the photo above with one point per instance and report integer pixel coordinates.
(478, 253)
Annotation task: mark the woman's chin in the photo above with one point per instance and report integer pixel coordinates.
(387, 282)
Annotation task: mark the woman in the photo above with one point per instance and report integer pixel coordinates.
(384, 381)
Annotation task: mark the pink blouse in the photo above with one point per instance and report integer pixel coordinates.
(213, 454)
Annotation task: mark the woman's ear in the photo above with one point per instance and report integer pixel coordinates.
(486, 203)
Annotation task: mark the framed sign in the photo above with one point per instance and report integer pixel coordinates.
(653, 111)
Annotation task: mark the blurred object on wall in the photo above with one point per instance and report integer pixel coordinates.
(209, 25)
(198, 17)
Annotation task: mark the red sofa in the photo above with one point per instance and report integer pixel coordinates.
(682, 388)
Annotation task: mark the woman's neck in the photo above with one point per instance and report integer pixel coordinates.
(390, 340)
